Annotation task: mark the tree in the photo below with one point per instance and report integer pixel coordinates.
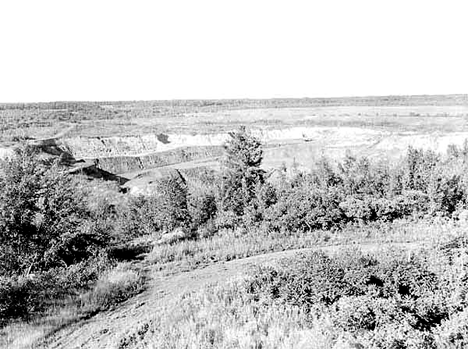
(42, 215)
(242, 173)
(172, 203)
(420, 165)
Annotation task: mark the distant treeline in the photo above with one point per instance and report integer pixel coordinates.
(415, 100)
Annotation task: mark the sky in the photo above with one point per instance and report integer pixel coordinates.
(55, 50)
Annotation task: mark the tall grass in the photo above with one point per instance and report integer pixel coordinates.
(223, 316)
(226, 246)
(112, 288)
(241, 243)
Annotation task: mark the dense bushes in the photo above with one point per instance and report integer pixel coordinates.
(354, 190)
(304, 281)
(357, 190)
(304, 209)
(24, 295)
(333, 195)
(316, 278)
(395, 299)
(347, 300)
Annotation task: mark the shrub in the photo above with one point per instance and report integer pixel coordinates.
(78, 245)
(446, 193)
(399, 335)
(82, 275)
(202, 209)
(265, 282)
(419, 168)
(227, 220)
(390, 209)
(360, 292)
(312, 280)
(453, 333)
(23, 296)
(354, 314)
(360, 271)
(414, 202)
(171, 202)
(136, 217)
(429, 311)
(17, 297)
(301, 294)
(304, 209)
(359, 209)
(113, 287)
(306, 281)
(207, 231)
(405, 276)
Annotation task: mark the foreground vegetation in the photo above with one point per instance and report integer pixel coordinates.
(393, 299)
(55, 251)
(65, 246)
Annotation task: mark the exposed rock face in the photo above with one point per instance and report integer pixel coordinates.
(55, 149)
(135, 153)
(138, 145)
(298, 145)
(125, 164)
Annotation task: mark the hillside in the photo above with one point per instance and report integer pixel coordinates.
(124, 326)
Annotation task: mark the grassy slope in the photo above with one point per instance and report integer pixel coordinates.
(122, 326)
(187, 266)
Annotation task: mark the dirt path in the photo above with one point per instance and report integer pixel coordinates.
(108, 329)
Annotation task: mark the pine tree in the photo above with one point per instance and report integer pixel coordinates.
(242, 172)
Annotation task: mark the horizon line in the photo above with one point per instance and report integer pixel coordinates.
(238, 99)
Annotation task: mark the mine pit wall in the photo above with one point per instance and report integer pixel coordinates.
(125, 164)
(103, 147)
(300, 145)
(99, 147)
(123, 155)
